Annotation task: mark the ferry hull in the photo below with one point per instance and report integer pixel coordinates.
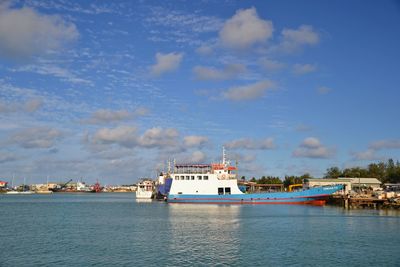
(314, 196)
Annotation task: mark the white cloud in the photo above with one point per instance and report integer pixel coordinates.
(108, 115)
(181, 21)
(311, 147)
(7, 157)
(197, 157)
(166, 63)
(271, 65)
(129, 137)
(36, 137)
(33, 105)
(294, 39)
(25, 33)
(303, 128)
(209, 73)
(205, 50)
(125, 136)
(300, 69)
(29, 106)
(374, 147)
(323, 90)
(141, 111)
(385, 144)
(159, 137)
(369, 154)
(311, 142)
(246, 143)
(195, 140)
(248, 92)
(45, 68)
(244, 29)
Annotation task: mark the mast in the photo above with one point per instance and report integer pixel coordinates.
(169, 167)
(223, 156)
(237, 168)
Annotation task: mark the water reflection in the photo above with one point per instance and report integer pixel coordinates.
(204, 234)
(143, 200)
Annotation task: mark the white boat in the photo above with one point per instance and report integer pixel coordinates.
(19, 192)
(145, 189)
(216, 183)
(16, 192)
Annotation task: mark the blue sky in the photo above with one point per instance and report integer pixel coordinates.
(110, 90)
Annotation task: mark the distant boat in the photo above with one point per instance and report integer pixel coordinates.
(97, 188)
(145, 189)
(23, 192)
(19, 192)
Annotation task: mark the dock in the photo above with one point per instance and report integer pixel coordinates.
(360, 202)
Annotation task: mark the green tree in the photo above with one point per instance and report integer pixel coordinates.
(289, 180)
(333, 172)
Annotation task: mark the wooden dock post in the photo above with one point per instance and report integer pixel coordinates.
(346, 202)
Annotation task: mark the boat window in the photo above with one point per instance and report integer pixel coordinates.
(182, 177)
(176, 177)
(199, 177)
(227, 190)
(220, 190)
(205, 177)
(187, 177)
(191, 177)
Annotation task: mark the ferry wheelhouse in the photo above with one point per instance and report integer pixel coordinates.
(217, 183)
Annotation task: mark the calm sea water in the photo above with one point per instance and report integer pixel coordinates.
(115, 230)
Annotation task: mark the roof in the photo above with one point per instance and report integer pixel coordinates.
(193, 165)
(332, 180)
(363, 180)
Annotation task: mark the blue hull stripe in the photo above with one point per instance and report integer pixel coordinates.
(313, 194)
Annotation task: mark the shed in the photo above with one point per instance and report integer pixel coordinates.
(358, 183)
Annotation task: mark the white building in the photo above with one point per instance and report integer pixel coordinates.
(349, 183)
(363, 183)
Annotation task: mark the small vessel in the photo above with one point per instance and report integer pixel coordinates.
(145, 189)
(60, 188)
(19, 192)
(217, 184)
(96, 188)
(22, 190)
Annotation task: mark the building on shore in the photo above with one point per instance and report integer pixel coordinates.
(358, 184)
(253, 187)
(350, 183)
(3, 184)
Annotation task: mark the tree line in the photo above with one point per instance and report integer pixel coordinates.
(386, 172)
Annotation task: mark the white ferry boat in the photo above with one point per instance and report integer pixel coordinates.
(217, 183)
(145, 189)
